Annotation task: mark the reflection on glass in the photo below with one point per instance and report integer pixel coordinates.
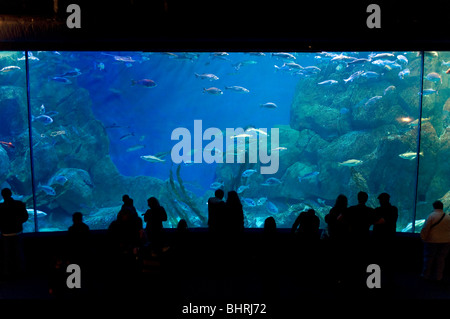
(103, 124)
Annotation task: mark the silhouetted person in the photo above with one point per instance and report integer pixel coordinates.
(436, 236)
(13, 214)
(216, 211)
(334, 219)
(79, 238)
(270, 226)
(128, 206)
(385, 219)
(154, 217)
(359, 218)
(234, 215)
(307, 226)
(384, 233)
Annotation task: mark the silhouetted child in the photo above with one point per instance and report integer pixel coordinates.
(154, 217)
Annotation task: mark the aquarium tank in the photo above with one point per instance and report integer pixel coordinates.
(288, 131)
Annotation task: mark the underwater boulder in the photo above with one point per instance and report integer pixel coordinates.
(101, 218)
(300, 180)
(76, 192)
(323, 120)
(4, 164)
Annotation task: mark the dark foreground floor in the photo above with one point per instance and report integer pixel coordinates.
(283, 273)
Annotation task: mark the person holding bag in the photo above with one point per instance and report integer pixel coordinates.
(436, 236)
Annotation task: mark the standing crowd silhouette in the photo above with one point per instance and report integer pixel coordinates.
(351, 245)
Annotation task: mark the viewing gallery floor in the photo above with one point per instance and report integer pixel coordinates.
(247, 273)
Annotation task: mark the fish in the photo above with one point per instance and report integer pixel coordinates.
(144, 82)
(342, 57)
(9, 68)
(124, 137)
(370, 75)
(308, 176)
(58, 179)
(39, 213)
(373, 100)
(416, 122)
(152, 159)
(252, 129)
(328, 82)
(213, 91)
(238, 65)
(47, 189)
(410, 155)
(417, 223)
(434, 77)
(248, 202)
(248, 172)
(207, 76)
(402, 59)
(383, 63)
(381, 55)
(404, 73)
(242, 188)
(358, 61)
(120, 58)
(216, 185)
(278, 149)
(61, 80)
(241, 136)
(269, 105)
(261, 201)
(389, 89)
(135, 148)
(448, 71)
(73, 73)
(351, 163)
(7, 144)
(354, 76)
(45, 119)
(283, 55)
(271, 181)
(429, 92)
(271, 208)
(238, 89)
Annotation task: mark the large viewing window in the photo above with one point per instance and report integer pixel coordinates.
(287, 131)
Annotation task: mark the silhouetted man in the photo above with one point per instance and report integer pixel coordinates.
(216, 210)
(13, 214)
(359, 218)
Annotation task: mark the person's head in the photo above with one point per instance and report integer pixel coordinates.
(270, 225)
(182, 225)
(125, 198)
(362, 197)
(341, 201)
(219, 193)
(383, 198)
(311, 212)
(6, 193)
(77, 218)
(153, 202)
(438, 205)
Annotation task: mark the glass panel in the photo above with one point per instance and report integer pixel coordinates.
(15, 169)
(434, 177)
(345, 123)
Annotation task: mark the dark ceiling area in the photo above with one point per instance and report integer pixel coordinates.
(223, 25)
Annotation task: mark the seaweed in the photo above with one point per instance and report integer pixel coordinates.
(182, 195)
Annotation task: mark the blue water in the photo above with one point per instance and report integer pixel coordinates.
(178, 99)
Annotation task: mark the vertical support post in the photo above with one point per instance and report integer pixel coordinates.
(30, 138)
(419, 132)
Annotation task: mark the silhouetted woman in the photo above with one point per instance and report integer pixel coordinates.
(234, 213)
(154, 217)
